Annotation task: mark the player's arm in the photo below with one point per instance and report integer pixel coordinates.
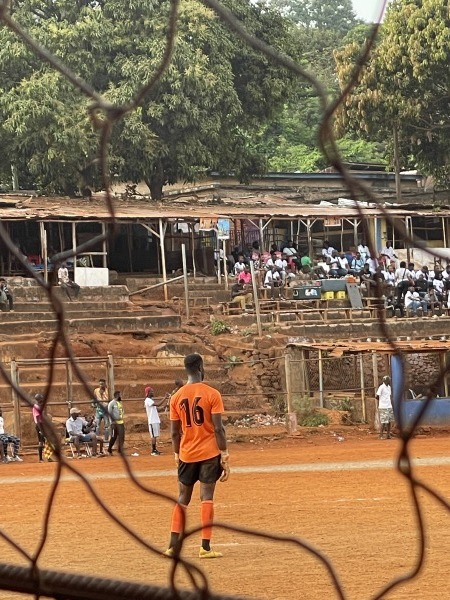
(219, 431)
(175, 432)
(221, 440)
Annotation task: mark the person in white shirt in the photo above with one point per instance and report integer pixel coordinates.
(239, 266)
(154, 422)
(373, 264)
(414, 303)
(281, 264)
(75, 425)
(273, 280)
(385, 410)
(388, 252)
(364, 251)
(327, 250)
(66, 283)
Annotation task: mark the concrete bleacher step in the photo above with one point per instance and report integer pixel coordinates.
(78, 305)
(123, 323)
(76, 313)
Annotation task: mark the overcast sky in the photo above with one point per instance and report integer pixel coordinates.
(369, 10)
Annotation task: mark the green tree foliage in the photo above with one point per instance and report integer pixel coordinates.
(405, 85)
(203, 114)
(325, 15)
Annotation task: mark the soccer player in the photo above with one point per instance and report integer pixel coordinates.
(200, 447)
(154, 422)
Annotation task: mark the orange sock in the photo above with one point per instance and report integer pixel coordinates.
(178, 518)
(207, 515)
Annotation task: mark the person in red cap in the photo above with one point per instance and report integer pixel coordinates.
(154, 422)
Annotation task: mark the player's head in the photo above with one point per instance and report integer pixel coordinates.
(193, 363)
(102, 383)
(178, 383)
(387, 379)
(149, 393)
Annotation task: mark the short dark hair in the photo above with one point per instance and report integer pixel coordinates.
(102, 379)
(192, 362)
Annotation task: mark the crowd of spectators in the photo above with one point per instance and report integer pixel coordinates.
(404, 287)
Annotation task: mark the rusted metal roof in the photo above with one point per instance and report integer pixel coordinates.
(43, 208)
(351, 346)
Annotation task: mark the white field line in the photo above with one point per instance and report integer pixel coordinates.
(436, 461)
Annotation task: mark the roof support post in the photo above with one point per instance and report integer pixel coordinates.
(162, 231)
(74, 248)
(104, 249)
(363, 391)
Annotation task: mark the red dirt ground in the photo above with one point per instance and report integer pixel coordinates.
(361, 517)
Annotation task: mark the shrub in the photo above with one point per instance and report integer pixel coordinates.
(218, 327)
(315, 420)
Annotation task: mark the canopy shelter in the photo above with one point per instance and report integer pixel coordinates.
(148, 237)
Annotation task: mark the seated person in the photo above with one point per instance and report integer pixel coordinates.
(357, 264)
(74, 426)
(391, 306)
(363, 250)
(322, 270)
(270, 262)
(239, 265)
(388, 253)
(367, 280)
(282, 265)
(327, 249)
(241, 294)
(414, 303)
(273, 280)
(389, 276)
(291, 254)
(66, 283)
(5, 439)
(306, 274)
(255, 255)
(291, 278)
(439, 286)
(336, 269)
(432, 301)
(8, 293)
(245, 276)
(305, 261)
(421, 284)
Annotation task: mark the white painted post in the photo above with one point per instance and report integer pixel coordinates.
(186, 289)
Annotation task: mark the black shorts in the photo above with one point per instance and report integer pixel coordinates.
(205, 471)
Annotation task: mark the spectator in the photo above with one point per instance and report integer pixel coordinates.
(178, 384)
(8, 293)
(389, 276)
(421, 285)
(414, 304)
(8, 438)
(154, 422)
(100, 403)
(290, 251)
(38, 417)
(306, 261)
(363, 250)
(373, 264)
(306, 274)
(433, 302)
(273, 280)
(281, 264)
(385, 410)
(357, 264)
(403, 281)
(291, 278)
(116, 412)
(343, 264)
(439, 286)
(412, 271)
(239, 266)
(245, 276)
(327, 249)
(270, 262)
(335, 263)
(273, 248)
(367, 280)
(241, 294)
(66, 283)
(74, 427)
(388, 253)
(256, 255)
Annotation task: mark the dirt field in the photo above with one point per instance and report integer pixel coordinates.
(342, 497)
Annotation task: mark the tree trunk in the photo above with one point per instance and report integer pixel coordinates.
(156, 181)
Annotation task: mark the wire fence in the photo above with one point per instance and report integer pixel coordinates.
(104, 115)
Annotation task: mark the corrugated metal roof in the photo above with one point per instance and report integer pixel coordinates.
(409, 346)
(42, 208)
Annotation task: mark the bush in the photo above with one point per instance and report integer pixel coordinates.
(307, 415)
(314, 420)
(218, 327)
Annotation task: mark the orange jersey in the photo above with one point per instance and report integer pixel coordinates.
(193, 405)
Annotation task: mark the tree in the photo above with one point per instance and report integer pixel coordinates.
(212, 100)
(405, 84)
(326, 15)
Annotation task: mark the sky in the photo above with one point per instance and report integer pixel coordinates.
(369, 10)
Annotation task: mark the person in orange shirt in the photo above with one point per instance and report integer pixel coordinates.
(200, 447)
